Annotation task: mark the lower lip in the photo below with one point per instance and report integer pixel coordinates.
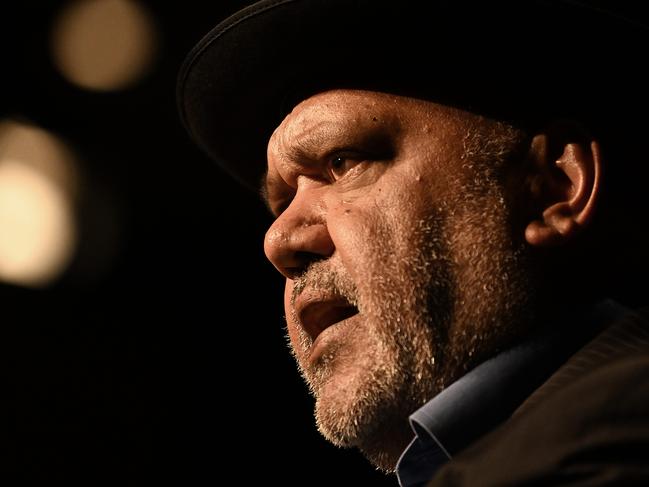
(329, 336)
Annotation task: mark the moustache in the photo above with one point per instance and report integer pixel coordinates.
(323, 277)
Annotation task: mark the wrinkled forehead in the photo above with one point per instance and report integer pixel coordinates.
(333, 113)
(338, 111)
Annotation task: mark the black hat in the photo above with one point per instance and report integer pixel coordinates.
(520, 61)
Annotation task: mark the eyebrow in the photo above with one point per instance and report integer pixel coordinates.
(310, 143)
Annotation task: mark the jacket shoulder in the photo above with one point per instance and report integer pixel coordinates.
(588, 425)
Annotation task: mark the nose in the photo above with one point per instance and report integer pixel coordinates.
(298, 237)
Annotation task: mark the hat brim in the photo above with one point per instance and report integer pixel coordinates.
(519, 61)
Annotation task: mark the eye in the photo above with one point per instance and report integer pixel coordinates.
(341, 163)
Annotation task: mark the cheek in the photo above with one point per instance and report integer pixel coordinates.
(351, 227)
(365, 228)
(361, 231)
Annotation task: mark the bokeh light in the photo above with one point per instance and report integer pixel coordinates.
(38, 186)
(104, 45)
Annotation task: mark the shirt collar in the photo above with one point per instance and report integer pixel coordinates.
(487, 395)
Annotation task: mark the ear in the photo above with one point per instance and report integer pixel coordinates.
(564, 184)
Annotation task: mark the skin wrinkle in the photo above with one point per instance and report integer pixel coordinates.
(422, 246)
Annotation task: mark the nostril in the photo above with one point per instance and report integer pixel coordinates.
(300, 263)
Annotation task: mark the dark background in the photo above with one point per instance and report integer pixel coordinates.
(159, 355)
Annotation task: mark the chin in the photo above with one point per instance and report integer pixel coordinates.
(362, 410)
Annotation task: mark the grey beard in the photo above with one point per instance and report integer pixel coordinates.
(436, 297)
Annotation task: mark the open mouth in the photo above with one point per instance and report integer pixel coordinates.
(319, 314)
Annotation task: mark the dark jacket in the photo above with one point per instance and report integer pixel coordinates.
(588, 425)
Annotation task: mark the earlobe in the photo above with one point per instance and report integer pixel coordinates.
(566, 185)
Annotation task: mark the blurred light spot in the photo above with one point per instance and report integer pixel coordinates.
(38, 184)
(42, 151)
(103, 44)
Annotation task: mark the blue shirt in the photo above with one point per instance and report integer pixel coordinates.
(489, 394)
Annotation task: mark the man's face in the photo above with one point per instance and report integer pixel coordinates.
(403, 267)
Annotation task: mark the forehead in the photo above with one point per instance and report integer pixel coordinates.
(349, 108)
(335, 117)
